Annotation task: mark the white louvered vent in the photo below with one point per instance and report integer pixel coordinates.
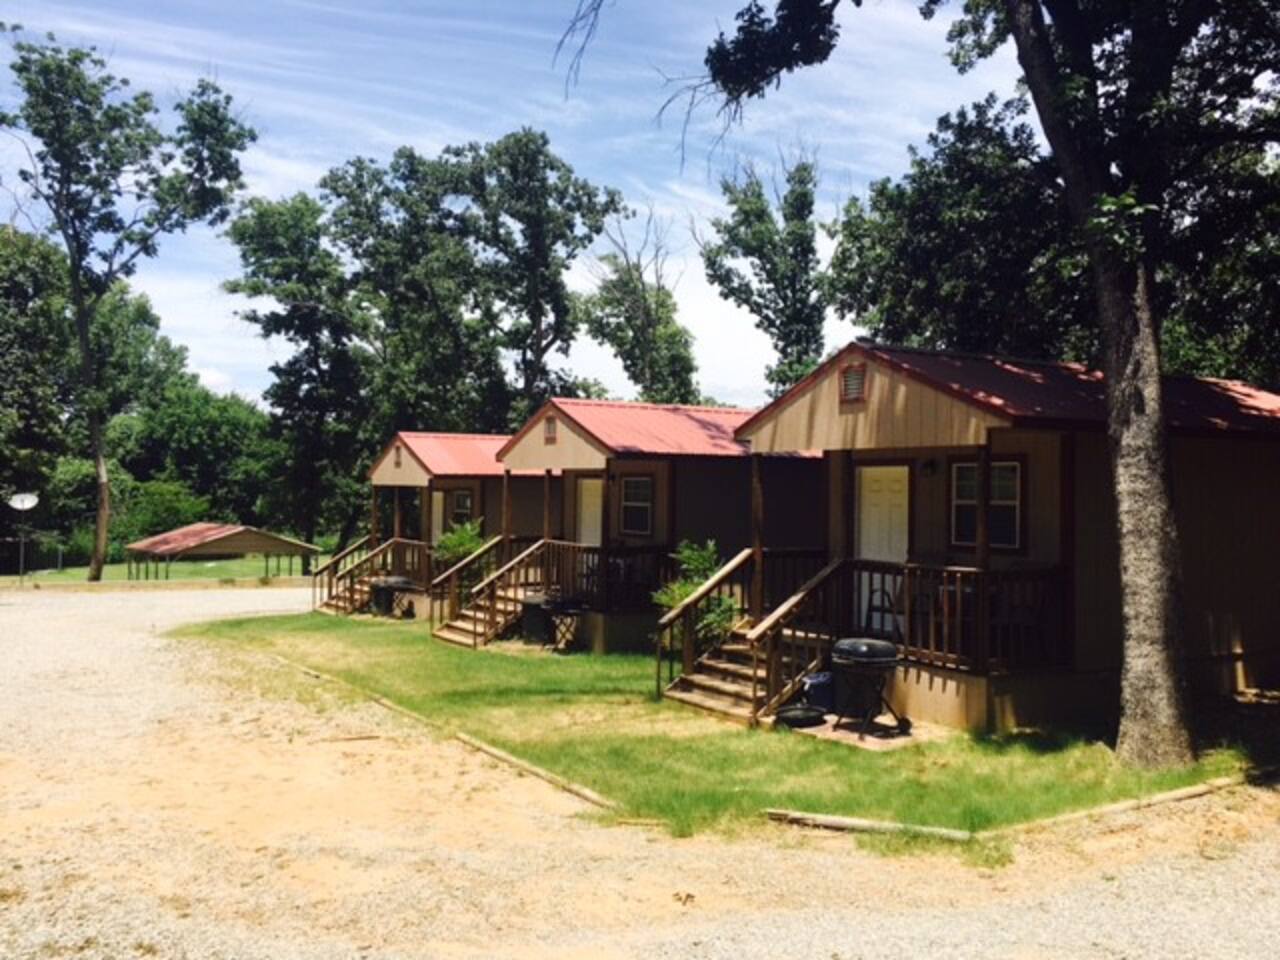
(853, 382)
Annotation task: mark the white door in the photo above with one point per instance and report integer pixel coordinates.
(884, 526)
(437, 515)
(590, 506)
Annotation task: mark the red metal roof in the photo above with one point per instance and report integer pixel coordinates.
(1031, 393)
(184, 538)
(658, 429)
(456, 454)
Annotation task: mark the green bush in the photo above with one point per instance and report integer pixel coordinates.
(458, 543)
(697, 563)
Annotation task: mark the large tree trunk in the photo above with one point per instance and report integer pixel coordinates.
(1153, 729)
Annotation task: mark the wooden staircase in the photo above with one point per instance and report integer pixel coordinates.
(343, 585)
(493, 606)
(725, 680)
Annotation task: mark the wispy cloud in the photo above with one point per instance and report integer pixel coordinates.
(324, 81)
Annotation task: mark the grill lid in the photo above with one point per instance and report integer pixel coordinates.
(864, 650)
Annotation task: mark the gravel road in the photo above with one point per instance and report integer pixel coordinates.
(153, 803)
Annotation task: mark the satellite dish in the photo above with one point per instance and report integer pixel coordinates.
(23, 501)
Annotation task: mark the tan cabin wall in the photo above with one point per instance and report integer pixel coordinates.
(897, 413)
(573, 449)
(410, 473)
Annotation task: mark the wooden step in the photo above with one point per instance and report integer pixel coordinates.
(451, 634)
(727, 668)
(724, 707)
(731, 689)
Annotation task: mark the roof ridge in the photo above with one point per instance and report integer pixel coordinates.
(650, 405)
(971, 355)
(448, 433)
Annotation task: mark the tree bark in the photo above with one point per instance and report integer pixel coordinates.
(1153, 729)
(102, 519)
(84, 310)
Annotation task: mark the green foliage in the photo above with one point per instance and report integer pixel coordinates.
(113, 182)
(528, 217)
(457, 543)
(156, 506)
(767, 263)
(35, 372)
(695, 565)
(971, 249)
(633, 311)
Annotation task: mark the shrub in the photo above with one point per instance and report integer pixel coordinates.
(459, 542)
(696, 563)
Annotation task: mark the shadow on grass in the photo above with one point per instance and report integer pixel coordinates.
(1251, 727)
(1040, 742)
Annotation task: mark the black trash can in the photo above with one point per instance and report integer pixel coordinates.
(535, 619)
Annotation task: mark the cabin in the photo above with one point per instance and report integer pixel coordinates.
(421, 486)
(970, 518)
(623, 483)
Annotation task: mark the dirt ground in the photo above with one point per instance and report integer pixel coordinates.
(159, 799)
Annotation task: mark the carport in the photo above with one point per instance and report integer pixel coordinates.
(146, 557)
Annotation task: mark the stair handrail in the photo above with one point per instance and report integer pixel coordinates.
(337, 558)
(508, 566)
(782, 613)
(466, 561)
(708, 585)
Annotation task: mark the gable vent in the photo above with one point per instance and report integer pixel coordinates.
(853, 382)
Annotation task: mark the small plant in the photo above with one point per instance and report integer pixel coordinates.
(458, 543)
(696, 564)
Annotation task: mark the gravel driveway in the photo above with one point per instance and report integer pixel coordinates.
(155, 804)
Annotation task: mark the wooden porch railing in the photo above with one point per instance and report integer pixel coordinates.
(396, 557)
(445, 591)
(696, 625)
(523, 572)
(323, 578)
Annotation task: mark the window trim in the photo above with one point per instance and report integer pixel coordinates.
(650, 505)
(861, 398)
(454, 497)
(1018, 460)
(550, 431)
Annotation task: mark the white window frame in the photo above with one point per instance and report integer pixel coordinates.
(1016, 502)
(646, 503)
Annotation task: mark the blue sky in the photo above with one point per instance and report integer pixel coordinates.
(325, 80)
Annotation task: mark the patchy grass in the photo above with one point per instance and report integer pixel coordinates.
(595, 721)
(247, 568)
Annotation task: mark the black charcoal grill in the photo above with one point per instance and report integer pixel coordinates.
(862, 666)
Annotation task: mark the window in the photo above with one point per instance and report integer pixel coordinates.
(637, 506)
(1004, 515)
(397, 456)
(853, 383)
(461, 512)
(549, 430)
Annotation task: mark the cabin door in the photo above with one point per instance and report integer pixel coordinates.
(437, 515)
(884, 535)
(590, 508)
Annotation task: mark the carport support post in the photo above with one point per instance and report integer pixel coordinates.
(757, 540)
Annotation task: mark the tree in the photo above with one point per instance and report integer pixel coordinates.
(320, 395)
(437, 350)
(783, 283)
(34, 383)
(528, 217)
(1134, 99)
(633, 311)
(971, 249)
(113, 183)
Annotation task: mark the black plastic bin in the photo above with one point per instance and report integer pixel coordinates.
(535, 618)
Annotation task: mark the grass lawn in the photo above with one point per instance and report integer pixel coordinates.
(593, 719)
(249, 567)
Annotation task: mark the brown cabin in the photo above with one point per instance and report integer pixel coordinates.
(970, 517)
(421, 486)
(622, 485)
